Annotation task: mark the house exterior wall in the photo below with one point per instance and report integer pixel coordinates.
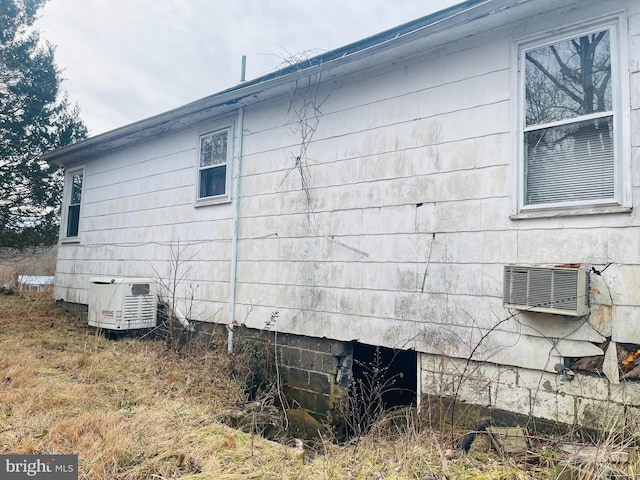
(401, 234)
(138, 211)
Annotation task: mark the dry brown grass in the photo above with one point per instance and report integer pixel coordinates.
(128, 407)
(133, 409)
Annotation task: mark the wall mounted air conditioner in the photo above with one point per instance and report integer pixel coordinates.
(563, 291)
(122, 303)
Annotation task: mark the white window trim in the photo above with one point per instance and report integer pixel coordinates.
(231, 146)
(68, 186)
(622, 203)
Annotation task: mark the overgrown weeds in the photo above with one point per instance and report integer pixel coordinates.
(137, 409)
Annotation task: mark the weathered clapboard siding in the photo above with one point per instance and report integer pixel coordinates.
(137, 207)
(411, 173)
(440, 137)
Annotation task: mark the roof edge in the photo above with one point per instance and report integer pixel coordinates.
(246, 89)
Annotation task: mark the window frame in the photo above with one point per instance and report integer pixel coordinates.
(66, 205)
(621, 202)
(227, 195)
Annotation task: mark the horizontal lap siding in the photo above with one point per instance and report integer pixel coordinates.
(392, 162)
(410, 176)
(137, 211)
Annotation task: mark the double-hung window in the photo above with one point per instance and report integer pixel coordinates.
(213, 165)
(73, 197)
(570, 121)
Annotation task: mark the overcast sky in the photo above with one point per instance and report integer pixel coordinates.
(125, 60)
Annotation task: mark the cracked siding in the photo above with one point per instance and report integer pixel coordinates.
(419, 148)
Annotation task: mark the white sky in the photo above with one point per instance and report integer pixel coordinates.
(125, 60)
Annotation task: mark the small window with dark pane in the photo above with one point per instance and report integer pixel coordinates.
(73, 207)
(214, 151)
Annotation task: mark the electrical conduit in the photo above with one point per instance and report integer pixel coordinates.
(237, 160)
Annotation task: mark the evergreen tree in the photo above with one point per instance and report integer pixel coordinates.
(35, 117)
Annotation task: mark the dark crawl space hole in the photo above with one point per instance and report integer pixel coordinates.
(385, 378)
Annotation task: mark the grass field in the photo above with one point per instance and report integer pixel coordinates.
(136, 409)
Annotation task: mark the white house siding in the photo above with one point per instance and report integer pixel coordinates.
(410, 171)
(411, 179)
(138, 208)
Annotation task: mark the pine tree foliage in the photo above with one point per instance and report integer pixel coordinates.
(35, 117)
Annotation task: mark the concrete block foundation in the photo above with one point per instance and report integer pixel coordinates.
(315, 372)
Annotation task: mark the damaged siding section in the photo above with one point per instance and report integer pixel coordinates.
(381, 206)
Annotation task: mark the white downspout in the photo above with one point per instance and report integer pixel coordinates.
(236, 222)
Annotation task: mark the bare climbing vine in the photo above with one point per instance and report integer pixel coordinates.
(305, 113)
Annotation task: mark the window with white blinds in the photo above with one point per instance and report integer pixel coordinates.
(569, 121)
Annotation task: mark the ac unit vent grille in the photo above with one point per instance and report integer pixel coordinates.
(562, 291)
(139, 308)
